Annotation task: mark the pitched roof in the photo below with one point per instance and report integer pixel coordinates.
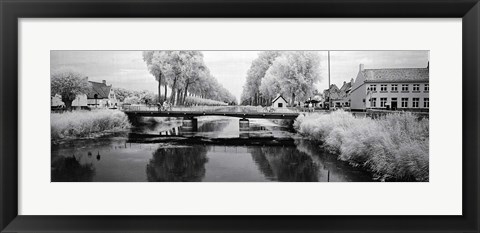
(279, 96)
(333, 88)
(335, 93)
(99, 89)
(346, 86)
(396, 75)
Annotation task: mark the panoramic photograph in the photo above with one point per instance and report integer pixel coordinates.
(239, 116)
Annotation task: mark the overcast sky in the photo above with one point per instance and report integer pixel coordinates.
(126, 69)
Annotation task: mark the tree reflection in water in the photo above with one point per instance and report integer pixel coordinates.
(339, 171)
(285, 164)
(177, 164)
(69, 169)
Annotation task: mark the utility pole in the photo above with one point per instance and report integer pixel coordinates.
(329, 69)
(329, 94)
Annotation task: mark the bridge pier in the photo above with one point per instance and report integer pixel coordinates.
(189, 124)
(244, 134)
(244, 124)
(133, 119)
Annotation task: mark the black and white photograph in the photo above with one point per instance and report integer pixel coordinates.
(239, 116)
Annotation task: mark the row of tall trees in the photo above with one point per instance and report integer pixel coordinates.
(184, 73)
(290, 73)
(251, 90)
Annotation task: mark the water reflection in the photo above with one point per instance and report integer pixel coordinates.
(218, 151)
(285, 164)
(333, 170)
(69, 169)
(177, 164)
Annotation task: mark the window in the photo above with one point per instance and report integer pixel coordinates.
(383, 102)
(373, 87)
(383, 87)
(404, 87)
(415, 102)
(416, 87)
(394, 87)
(427, 88)
(374, 102)
(426, 103)
(280, 105)
(404, 102)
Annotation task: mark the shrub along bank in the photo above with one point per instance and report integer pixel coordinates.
(394, 148)
(82, 124)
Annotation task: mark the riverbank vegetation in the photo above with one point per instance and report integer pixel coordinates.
(394, 148)
(85, 124)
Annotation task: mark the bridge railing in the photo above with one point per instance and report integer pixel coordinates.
(136, 108)
(237, 109)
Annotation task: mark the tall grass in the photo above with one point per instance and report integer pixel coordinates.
(80, 124)
(395, 147)
(191, 100)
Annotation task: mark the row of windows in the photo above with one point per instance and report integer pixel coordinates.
(394, 87)
(404, 102)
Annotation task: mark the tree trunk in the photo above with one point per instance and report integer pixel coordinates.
(180, 97)
(174, 86)
(165, 91)
(160, 88)
(185, 93)
(177, 97)
(68, 103)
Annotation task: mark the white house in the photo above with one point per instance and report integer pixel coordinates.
(279, 102)
(79, 102)
(100, 95)
(399, 88)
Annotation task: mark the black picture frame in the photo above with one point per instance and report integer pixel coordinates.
(11, 11)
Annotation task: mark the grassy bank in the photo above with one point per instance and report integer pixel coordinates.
(191, 100)
(82, 124)
(394, 148)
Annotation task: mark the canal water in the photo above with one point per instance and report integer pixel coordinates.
(217, 152)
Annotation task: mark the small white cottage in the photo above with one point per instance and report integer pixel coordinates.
(279, 102)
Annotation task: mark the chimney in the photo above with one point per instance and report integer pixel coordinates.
(104, 82)
(361, 67)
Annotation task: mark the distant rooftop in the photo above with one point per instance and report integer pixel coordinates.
(397, 75)
(100, 89)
